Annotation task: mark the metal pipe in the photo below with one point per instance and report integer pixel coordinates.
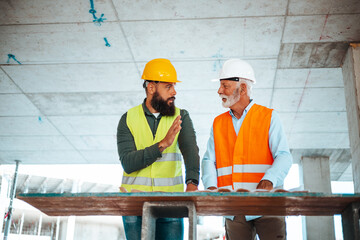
(12, 195)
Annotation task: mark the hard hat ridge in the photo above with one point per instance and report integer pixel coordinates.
(160, 69)
(236, 69)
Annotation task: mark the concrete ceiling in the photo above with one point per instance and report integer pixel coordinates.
(62, 104)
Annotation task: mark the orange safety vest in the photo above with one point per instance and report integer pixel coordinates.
(241, 161)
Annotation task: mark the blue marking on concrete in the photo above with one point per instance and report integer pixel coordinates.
(107, 43)
(97, 21)
(11, 56)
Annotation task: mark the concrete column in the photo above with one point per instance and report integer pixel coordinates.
(316, 178)
(70, 230)
(351, 77)
(40, 225)
(57, 228)
(21, 223)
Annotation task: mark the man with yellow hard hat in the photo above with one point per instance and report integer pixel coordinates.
(151, 138)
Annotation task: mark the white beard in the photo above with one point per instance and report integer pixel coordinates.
(230, 100)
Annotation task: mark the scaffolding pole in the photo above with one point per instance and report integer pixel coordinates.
(12, 195)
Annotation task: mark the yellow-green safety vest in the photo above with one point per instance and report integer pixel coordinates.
(165, 174)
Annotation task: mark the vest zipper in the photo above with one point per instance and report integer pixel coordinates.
(155, 127)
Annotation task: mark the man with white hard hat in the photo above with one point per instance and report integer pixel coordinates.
(247, 149)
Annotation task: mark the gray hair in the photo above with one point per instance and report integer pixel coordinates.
(248, 83)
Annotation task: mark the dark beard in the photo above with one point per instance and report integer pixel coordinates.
(162, 106)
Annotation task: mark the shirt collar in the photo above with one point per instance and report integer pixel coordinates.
(146, 110)
(245, 110)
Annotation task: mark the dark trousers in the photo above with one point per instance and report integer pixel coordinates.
(267, 228)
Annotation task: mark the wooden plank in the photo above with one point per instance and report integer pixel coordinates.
(207, 203)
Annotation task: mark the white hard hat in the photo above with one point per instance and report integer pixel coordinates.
(237, 69)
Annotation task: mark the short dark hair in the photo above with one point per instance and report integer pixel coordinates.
(145, 84)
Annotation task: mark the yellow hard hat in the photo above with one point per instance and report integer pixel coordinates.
(160, 69)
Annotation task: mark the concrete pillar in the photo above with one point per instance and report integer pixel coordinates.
(57, 228)
(70, 230)
(316, 178)
(40, 225)
(21, 223)
(351, 77)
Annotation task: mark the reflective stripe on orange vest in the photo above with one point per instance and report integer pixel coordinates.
(242, 160)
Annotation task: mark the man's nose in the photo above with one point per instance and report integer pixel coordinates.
(220, 91)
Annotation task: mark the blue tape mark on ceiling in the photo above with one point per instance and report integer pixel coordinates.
(96, 20)
(11, 56)
(107, 43)
(217, 64)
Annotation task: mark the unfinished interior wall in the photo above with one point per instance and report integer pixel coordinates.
(351, 76)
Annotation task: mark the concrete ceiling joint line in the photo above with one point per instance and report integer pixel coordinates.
(126, 39)
(322, 31)
(42, 114)
(278, 55)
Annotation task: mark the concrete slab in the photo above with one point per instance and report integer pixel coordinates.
(323, 99)
(178, 9)
(34, 143)
(17, 105)
(26, 126)
(323, 7)
(341, 28)
(86, 125)
(319, 77)
(94, 142)
(209, 103)
(263, 36)
(147, 39)
(318, 140)
(105, 77)
(32, 11)
(287, 119)
(312, 55)
(42, 157)
(286, 100)
(66, 43)
(296, 25)
(6, 85)
(325, 122)
(326, 28)
(262, 96)
(77, 104)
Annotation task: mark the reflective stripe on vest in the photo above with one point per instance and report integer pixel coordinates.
(170, 157)
(165, 174)
(241, 161)
(248, 168)
(152, 181)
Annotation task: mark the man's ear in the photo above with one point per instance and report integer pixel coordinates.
(151, 88)
(243, 89)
